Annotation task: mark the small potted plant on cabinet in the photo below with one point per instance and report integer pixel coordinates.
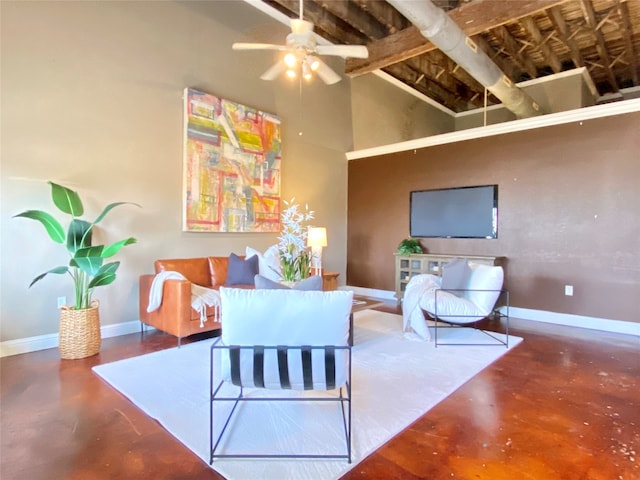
(409, 246)
(80, 324)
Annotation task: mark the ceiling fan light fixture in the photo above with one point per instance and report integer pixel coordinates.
(313, 63)
(306, 71)
(301, 53)
(290, 60)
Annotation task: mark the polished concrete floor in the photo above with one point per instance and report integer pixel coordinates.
(564, 404)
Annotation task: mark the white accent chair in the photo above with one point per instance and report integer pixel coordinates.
(472, 299)
(281, 340)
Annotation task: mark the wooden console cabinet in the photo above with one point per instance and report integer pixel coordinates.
(409, 265)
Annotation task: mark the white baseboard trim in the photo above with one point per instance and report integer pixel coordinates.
(580, 321)
(567, 319)
(42, 342)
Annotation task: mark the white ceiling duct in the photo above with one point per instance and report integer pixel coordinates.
(435, 25)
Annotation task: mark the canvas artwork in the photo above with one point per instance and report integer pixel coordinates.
(231, 166)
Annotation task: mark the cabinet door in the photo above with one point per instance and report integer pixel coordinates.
(403, 274)
(433, 266)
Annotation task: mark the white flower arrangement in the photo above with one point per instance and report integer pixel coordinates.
(292, 243)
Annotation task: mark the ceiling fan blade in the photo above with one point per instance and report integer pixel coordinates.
(355, 51)
(257, 46)
(327, 75)
(273, 72)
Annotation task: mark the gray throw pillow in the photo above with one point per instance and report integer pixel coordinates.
(264, 283)
(455, 275)
(311, 283)
(241, 272)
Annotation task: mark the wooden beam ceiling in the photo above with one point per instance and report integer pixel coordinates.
(527, 39)
(472, 18)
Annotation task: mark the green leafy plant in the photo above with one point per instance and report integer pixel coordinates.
(86, 266)
(409, 246)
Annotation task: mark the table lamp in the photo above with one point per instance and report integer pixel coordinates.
(316, 239)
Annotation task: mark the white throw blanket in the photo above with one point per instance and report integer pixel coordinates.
(414, 324)
(201, 297)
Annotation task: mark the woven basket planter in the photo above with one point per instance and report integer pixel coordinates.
(79, 332)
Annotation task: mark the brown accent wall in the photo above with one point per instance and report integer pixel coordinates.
(568, 213)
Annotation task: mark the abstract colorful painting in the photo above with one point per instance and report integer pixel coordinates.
(231, 173)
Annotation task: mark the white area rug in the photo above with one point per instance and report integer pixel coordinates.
(395, 381)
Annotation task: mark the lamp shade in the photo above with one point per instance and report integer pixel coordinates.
(317, 237)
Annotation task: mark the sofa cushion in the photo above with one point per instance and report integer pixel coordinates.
(268, 262)
(455, 275)
(285, 317)
(484, 277)
(302, 317)
(218, 267)
(194, 269)
(263, 283)
(241, 271)
(311, 283)
(473, 305)
(450, 307)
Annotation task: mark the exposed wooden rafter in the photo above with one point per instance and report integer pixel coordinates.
(527, 39)
(472, 18)
(541, 43)
(383, 14)
(403, 71)
(590, 17)
(623, 10)
(565, 35)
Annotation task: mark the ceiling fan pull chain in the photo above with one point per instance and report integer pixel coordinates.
(301, 109)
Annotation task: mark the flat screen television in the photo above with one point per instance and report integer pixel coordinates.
(463, 212)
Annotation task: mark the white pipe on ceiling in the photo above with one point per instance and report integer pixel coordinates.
(437, 26)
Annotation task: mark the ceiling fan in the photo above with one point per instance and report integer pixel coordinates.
(302, 52)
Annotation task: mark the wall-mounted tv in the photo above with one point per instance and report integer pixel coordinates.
(463, 212)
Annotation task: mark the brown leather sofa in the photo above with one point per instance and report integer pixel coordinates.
(175, 315)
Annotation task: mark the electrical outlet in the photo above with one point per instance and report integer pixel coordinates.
(62, 301)
(568, 290)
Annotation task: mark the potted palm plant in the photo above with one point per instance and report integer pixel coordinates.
(79, 324)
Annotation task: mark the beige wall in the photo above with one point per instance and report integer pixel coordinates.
(92, 98)
(384, 114)
(561, 92)
(554, 93)
(477, 118)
